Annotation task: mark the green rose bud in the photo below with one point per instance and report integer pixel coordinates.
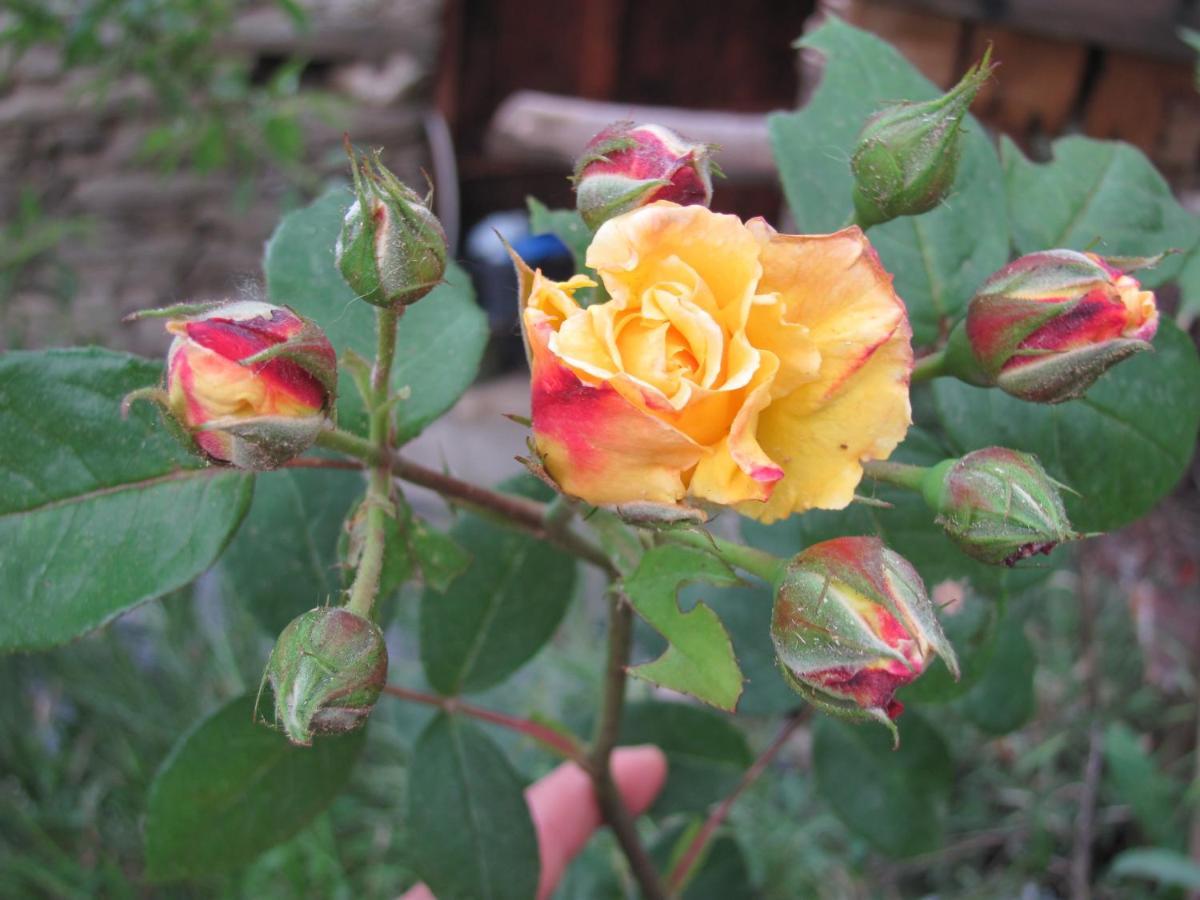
(999, 506)
(327, 670)
(392, 249)
(907, 154)
(852, 624)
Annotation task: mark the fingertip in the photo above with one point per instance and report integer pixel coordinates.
(640, 773)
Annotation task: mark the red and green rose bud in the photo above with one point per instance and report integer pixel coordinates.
(907, 154)
(326, 671)
(999, 506)
(1046, 326)
(626, 166)
(852, 624)
(392, 249)
(251, 383)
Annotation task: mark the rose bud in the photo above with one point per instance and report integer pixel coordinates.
(1046, 326)
(907, 154)
(253, 384)
(392, 249)
(626, 166)
(326, 670)
(852, 624)
(999, 506)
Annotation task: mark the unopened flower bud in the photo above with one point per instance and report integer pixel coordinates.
(626, 166)
(999, 506)
(907, 154)
(852, 624)
(392, 249)
(1046, 326)
(253, 384)
(327, 670)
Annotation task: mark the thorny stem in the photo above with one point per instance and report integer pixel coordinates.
(539, 519)
(560, 743)
(691, 856)
(899, 474)
(378, 500)
(608, 727)
(929, 367)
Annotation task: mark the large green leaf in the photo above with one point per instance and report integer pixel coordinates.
(893, 798)
(1096, 195)
(500, 611)
(699, 657)
(1003, 700)
(284, 560)
(745, 611)
(939, 258)
(908, 527)
(1122, 447)
(469, 830)
(441, 337)
(706, 753)
(232, 787)
(96, 514)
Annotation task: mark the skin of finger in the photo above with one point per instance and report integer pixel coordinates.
(565, 814)
(564, 808)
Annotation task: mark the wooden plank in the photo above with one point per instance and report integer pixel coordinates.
(1036, 86)
(1145, 26)
(930, 42)
(1131, 96)
(533, 126)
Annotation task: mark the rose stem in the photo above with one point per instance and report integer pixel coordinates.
(378, 500)
(564, 744)
(608, 727)
(683, 868)
(898, 474)
(930, 366)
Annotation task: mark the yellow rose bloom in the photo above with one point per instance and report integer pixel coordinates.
(732, 364)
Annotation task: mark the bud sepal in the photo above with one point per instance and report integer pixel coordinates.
(392, 249)
(852, 623)
(998, 505)
(1047, 325)
(629, 165)
(327, 670)
(251, 384)
(907, 154)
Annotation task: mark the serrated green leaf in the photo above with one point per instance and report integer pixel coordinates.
(284, 560)
(706, 753)
(232, 788)
(939, 258)
(1103, 196)
(745, 611)
(699, 657)
(1122, 448)
(439, 557)
(441, 337)
(892, 798)
(470, 833)
(500, 611)
(97, 514)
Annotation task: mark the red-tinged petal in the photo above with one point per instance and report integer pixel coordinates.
(597, 445)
